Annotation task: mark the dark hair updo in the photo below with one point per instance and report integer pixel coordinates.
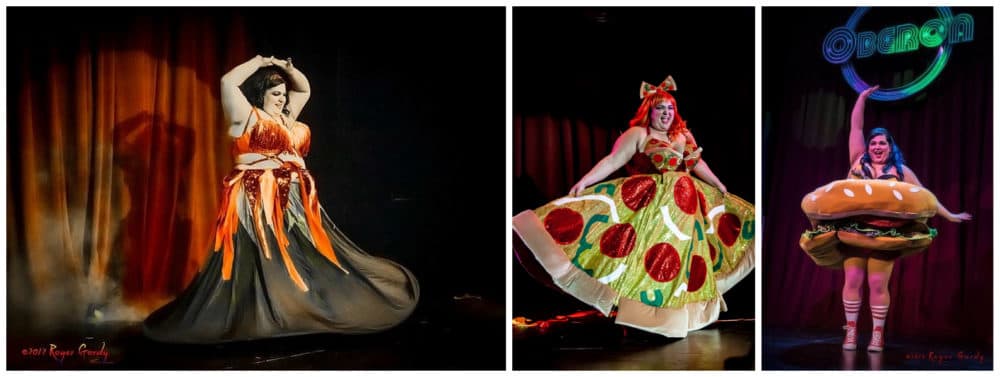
(255, 87)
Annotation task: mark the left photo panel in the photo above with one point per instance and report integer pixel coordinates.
(256, 188)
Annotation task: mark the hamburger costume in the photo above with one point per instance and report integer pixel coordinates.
(886, 216)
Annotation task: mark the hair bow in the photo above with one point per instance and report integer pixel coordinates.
(646, 89)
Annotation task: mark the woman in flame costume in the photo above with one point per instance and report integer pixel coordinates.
(662, 247)
(868, 221)
(280, 266)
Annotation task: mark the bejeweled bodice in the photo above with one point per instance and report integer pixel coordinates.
(665, 158)
(271, 138)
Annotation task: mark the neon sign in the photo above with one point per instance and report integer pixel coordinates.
(843, 43)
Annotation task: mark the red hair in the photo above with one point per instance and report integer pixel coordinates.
(641, 118)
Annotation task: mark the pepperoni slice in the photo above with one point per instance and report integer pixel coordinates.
(662, 262)
(637, 192)
(729, 228)
(698, 272)
(685, 195)
(564, 225)
(618, 241)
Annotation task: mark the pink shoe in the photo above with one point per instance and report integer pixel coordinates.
(851, 339)
(878, 340)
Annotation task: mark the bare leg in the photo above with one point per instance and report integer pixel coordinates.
(879, 272)
(854, 276)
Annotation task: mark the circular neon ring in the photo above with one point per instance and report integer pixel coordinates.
(911, 88)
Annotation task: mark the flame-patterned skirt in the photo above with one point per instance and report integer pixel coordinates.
(661, 247)
(280, 267)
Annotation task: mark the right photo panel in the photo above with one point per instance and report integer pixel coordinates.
(877, 188)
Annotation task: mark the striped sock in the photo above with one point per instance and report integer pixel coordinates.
(851, 309)
(878, 328)
(879, 313)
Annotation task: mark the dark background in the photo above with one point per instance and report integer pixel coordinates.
(407, 115)
(577, 73)
(945, 132)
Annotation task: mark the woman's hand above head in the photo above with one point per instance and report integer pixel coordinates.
(234, 103)
(867, 92)
(266, 62)
(285, 64)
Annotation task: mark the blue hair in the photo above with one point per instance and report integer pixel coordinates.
(895, 155)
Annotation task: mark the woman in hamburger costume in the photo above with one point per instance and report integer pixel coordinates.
(866, 222)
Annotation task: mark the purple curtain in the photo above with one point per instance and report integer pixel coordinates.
(945, 132)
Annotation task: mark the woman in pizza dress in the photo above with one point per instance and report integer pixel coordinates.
(874, 157)
(279, 266)
(661, 247)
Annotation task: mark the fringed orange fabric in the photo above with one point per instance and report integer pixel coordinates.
(301, 136)
(267, 193)
(313, 216)
(282, 246)
(227, 223)
(259, 227)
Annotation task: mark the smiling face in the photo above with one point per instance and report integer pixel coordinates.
(274, 99)
(879, 149)
(662, 116)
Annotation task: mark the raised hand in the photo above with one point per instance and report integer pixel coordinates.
(867, 92)
(285, 63)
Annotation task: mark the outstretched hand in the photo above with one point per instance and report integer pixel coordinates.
(960, 217)
(577, 189)
(867, 92)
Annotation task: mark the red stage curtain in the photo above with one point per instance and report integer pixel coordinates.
(558, 151)
(116, 150)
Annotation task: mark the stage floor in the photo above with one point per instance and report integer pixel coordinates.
(464, 333)
(599, 344)
(816, 350)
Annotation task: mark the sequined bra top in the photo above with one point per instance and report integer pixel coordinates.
(270, 138)
(666, 158)
(866, 171)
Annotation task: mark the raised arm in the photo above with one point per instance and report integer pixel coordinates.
(234, 104)
(298, 87)
(856, 139)
(702, 170)
(625, 147)
(911, 178)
